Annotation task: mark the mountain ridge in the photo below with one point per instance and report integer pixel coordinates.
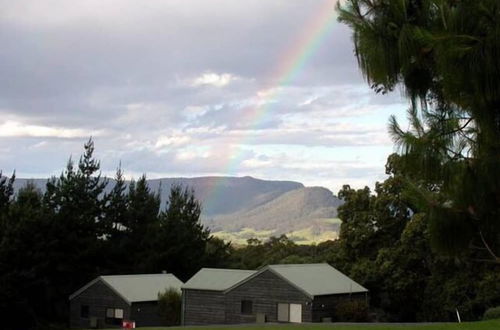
(233, 204)
(232, 193)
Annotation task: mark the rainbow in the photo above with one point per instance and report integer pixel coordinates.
(289, 67)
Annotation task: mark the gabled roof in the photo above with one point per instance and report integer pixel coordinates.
(312, 279)
(217, 279)
(136, 288)
(317, 279)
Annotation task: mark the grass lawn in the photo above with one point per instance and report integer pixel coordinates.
(483, 325)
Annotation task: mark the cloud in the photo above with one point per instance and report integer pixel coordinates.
(175, 140)
(213, 79)
(178, 88)
(17, 129)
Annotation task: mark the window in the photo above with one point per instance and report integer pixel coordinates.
(246, 307)
(114, 316)
(118, 313)
(84, 311)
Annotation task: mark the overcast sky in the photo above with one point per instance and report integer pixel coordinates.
(189, 88)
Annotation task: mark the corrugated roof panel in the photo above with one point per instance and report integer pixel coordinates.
(317, 279)
(217, 279)
(144, 287)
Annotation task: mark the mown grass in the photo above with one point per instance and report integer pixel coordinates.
(483, 325)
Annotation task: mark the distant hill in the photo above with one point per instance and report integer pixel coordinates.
(294, 210)
(224, 195)
(243, 205)
(219, 195)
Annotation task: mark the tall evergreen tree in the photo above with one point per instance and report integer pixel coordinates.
(182, 238)
(25, 295)
(384, 244)
(444, 55)
(75, 205)
(114, 223)
(116, 204)
(6, 192)
(141, 225)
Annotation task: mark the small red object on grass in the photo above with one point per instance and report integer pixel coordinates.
(126, 324)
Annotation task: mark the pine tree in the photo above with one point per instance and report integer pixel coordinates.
(114, 223)
(182, 239)
(75, 206)
(6, 192)
(116, 206)
(444, 56)
(25, 296)
(141, 225)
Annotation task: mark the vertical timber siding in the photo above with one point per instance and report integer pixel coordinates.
(98, 297)
(203, 307)
(265, 290)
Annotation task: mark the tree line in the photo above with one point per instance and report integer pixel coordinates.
(53, 243)
(385, 244)
(443, 56)
(428, 241)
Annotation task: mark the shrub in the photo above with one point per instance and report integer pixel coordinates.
(352, 311)
(492, 313)
(169, 306)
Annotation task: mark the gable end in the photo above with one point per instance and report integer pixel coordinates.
(93, 282)
(263, 270)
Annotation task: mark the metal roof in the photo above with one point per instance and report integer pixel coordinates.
(136, 288)
(312, 279)
(316, 279)
(217, 279)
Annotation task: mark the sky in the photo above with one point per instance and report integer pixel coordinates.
(187, 88)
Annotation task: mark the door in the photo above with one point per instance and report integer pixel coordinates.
(296, 313)
(283, 310)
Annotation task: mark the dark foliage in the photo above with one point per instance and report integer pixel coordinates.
(352, 311)
(492, 313)
(52, 244)
(169, 306)
(444, 55)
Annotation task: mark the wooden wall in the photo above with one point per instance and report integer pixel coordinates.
(98, 297)
(265, 291)
(203, 307)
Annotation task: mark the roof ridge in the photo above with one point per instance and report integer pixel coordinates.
(229, 269)
(136, 275)
(302, 265)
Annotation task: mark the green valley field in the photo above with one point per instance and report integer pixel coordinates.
(312, 235)
(484, 325)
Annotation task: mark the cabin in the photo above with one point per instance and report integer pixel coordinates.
(276, 293)
(108, 300)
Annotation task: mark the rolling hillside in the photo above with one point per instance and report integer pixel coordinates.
(219, 195)
(304, 214)
(238, 208)
(292, 210)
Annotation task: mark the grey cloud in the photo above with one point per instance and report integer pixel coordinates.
(123, 66)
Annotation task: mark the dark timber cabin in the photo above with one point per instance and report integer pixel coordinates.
(108, 300)
(275, 293)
